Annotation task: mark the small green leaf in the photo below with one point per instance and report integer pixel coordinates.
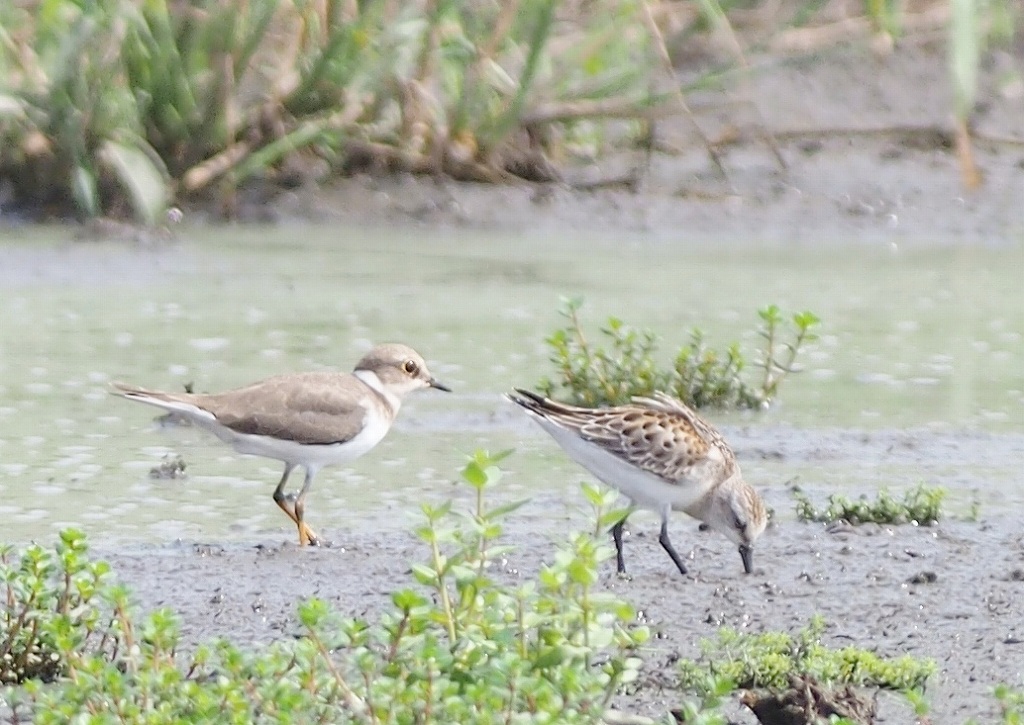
(407, 599)
(140, 175)
(83, 187)
(424, 574)
(474, 475)
(505, 509)
(11, 107)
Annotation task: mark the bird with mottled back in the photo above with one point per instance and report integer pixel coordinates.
(662, 455)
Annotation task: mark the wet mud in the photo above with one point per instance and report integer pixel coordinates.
(953, 592)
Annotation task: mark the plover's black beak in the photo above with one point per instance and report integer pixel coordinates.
(747, 554)
(440, 386)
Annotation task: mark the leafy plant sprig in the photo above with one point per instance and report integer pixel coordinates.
(768, 660)
(591, 375)
(459, 643)
(920, 505)
(117, 104)
(1011, 704)
(51, 603)
(776, 363)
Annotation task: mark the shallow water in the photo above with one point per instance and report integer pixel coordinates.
(927, 338)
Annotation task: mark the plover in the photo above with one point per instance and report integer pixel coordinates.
(311, 419)
(662, 456)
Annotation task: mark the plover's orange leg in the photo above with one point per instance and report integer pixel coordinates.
(289, 504)
(281, 498)
(307, 535)
(300, 509)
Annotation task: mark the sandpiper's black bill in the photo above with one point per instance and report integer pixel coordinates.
(440, 386)
(747, 554)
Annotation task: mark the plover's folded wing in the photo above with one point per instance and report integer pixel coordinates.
(308, 408)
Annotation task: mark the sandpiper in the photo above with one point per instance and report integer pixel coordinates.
(662, 456)
(311, 419)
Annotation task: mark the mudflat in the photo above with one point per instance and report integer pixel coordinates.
(952, 592)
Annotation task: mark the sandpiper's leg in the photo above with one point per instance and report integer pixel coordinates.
(300, 510)
(620, 564)
(667, 545)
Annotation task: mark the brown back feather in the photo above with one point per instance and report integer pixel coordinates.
(674, 437)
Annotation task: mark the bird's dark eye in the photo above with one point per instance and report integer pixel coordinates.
(738, 522)
(411, 367)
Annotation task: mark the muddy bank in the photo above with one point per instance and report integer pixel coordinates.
(953, 592)
(864, 138)
(861, 580)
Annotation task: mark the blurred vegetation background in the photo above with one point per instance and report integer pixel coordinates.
(123, 107)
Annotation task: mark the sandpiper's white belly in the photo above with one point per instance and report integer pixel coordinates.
(643, 488)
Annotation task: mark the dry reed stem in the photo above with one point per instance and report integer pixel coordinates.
(809, 40)
(969, 172)
(561, 111)
(722, 24)
(214, 167)
(666, 61)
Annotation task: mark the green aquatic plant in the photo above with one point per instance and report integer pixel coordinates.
(70, 126)
(592, 374)
(116, 104)
(53, 604)
(921, 505)
(772, 661)
(1011, 704)
(459, 643)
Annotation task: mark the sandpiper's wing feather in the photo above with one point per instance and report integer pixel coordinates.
(707, 432)
(310, 408)
(660, 435)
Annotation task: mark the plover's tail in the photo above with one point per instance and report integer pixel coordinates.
(187, 404)
(134, 392)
